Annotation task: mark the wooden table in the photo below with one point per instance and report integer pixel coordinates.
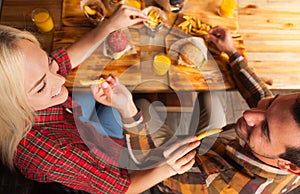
(270, 30)
(135, 71)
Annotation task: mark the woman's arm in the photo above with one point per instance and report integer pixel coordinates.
(123, 17)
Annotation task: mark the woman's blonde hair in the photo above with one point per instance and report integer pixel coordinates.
(16, 114)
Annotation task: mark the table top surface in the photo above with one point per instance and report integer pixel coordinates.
(135, 70)
(267, 33)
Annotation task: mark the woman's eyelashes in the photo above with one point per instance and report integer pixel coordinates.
(42, 88)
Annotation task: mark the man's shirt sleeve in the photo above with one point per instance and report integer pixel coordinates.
(251, 87)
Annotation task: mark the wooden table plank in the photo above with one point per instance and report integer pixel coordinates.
(72, 14)
(272, 40)
(149, 46)
(213, 75)
(17, 13)
(127, 68)
(270, 32)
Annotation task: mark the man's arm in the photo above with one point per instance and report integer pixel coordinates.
(250, 86)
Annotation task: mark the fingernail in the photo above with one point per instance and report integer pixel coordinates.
(105, 85)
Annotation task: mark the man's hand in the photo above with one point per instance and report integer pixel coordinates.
(222, 39)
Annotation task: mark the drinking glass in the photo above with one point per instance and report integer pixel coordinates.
(227, 8)
(42, 19)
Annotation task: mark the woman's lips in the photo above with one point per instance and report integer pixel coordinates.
(59, 92)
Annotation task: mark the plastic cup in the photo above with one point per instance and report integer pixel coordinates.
(227, 7)
(154, 27)
(161, 64)
(42, 19)
(94, 10)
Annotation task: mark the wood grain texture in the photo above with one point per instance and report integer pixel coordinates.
(271, 32)
(17, 13)
(127, 68)
(151, 44)
(214, 75)
(72, 14)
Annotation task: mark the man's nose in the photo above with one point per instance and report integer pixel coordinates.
(254, 116)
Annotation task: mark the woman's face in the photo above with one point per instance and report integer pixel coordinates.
(44, 87)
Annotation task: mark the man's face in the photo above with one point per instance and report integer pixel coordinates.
(270, 128)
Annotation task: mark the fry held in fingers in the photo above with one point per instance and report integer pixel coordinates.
(208, 133)
(91, 82)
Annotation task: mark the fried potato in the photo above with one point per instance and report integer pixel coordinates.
(193, 25)
(92, 82)
(208, 133)
(89, 10)
(154, 19)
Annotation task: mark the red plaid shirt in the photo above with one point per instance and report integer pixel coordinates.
(53, 150)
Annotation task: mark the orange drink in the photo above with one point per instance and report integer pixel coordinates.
(227, 7)
(161, 64)
(42, 19)
(134, 3)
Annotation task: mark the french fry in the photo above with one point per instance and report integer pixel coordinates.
(89, 10)
(92, 82)
(208, 133)
(154, 19)
(193, 25)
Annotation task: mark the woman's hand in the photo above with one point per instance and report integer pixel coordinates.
(180, 157)
(125, 16)
(222, 39)
(112, 93)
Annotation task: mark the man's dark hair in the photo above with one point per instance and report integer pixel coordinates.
(292, 154)
(296, 111)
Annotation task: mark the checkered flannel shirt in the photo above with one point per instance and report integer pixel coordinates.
(226, 167)
(53, 150)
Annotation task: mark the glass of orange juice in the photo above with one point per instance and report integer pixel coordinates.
(42, 19)
(161, 64)
(227, 8)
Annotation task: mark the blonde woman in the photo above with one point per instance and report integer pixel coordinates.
(39, 135)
